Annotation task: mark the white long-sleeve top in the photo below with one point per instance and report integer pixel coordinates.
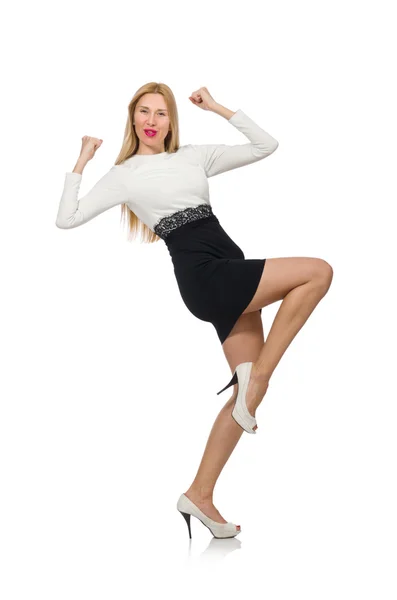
(158, 185)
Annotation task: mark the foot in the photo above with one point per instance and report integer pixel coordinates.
(257, 388)
(206, 506)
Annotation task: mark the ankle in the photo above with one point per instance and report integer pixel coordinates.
(201, 492)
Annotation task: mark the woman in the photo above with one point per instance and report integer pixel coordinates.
(163, 187)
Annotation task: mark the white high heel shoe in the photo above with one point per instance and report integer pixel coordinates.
(219, 530)
(240, 412)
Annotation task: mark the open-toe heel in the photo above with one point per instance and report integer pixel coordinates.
(240, 413)
(219, 530)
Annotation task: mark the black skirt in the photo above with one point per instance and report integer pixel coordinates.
(215, 280)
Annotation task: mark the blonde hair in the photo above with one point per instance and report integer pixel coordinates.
(131, 144)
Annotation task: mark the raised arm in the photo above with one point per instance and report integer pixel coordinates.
(218, 158)
(109, 191)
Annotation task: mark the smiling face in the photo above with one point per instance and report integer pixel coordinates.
(151, 114)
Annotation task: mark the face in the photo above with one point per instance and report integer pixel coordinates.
(151, 113)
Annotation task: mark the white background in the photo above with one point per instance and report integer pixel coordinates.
(108, 385)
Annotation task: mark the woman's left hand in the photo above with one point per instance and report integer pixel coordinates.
(203, 99)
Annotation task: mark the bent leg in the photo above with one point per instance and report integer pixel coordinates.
(305, 281)
(281, 275)
(301, 283)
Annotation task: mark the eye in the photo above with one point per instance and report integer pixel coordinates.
(144, 110)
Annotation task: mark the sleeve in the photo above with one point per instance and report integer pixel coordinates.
(218, 158)
(109, 191)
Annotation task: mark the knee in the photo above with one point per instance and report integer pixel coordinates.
(324, 273)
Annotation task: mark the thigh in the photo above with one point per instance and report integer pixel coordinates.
(245, 341)
(281, 275)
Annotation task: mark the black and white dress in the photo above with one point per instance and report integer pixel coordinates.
(169, 192)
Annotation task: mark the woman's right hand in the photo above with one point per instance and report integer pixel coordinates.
(89, 146)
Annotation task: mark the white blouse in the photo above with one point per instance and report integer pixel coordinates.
(158, 185)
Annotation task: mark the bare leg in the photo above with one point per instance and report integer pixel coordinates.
(293, 313)
(223, 438)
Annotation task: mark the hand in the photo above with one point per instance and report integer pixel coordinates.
(203, 99)
(89, 146)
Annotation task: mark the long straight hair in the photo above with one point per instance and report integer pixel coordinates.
(130, 147)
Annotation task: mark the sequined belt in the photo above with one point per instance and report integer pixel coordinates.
(167, 224)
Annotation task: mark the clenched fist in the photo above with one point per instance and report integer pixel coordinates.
(203, 99)
(89, 146)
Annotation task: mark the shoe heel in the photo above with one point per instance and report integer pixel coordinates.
(233, 381)
(187, 519)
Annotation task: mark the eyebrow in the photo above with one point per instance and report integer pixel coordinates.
(163, 109)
